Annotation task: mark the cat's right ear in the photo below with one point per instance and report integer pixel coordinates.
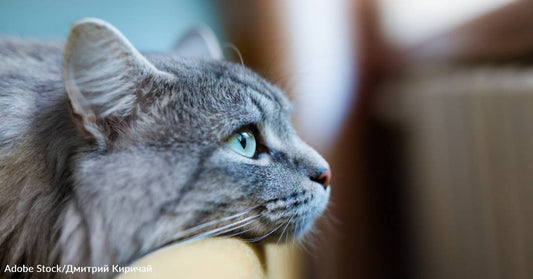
(199, 42)
(104, 76)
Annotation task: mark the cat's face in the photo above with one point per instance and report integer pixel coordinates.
(202, 148)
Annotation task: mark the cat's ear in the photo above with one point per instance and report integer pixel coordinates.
(200, 42)
(103, 73)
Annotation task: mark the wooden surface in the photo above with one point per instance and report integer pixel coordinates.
(220, 258)
(210, 258)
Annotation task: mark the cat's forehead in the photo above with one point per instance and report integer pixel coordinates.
(210, 75)
(218, 97)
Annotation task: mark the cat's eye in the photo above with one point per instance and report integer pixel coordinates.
(243, 142)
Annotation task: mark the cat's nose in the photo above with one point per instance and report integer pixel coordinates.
(323, 177)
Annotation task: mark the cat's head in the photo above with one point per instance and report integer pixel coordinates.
(182, 148)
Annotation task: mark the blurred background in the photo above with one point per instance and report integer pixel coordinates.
(424, 110)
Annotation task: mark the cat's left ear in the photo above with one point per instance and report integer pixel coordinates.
(199, 42)
(105, 76)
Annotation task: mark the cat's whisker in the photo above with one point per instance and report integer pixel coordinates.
(245, 231)
(265, 235)
(240, 233)
(302, 244)
(235, 228)
(217, 221)
(287, 225)
(308, 248)
(256, 239)
(179, 237)
(287, 237)
(223, 229)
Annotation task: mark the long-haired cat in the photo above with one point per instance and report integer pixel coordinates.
(107, 154)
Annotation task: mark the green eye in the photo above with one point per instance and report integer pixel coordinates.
(243, 142)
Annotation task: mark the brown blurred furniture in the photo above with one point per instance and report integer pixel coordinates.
(462, 104)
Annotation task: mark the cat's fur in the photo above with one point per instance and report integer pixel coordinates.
(107, 154)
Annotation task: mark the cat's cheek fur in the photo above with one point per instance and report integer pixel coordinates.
(288, 198)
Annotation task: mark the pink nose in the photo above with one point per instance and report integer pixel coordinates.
(324, 178)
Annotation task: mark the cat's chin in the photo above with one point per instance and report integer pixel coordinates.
(291, 229)
(280, 234)
(297, 225)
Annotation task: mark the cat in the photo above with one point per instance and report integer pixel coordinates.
(107, 154)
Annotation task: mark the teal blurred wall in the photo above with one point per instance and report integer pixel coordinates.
(150, 25)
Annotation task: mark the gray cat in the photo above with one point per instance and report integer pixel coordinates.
(107, 154)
